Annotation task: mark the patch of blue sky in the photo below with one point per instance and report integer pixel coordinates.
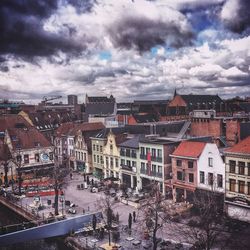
(105, 55)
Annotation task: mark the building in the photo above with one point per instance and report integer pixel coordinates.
(30, 150)
(130, 161)
(83, 147)
(111, 155)
(226, 131)
(237, 197)
(155, 163)
(72, 100)
(72, 141)
(196, 165)
(182, 105)
(101, 109)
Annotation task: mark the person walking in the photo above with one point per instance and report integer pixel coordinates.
(134, 215)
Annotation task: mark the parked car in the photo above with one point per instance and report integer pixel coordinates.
(72, 211)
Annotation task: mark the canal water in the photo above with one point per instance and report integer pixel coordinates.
(7, 217)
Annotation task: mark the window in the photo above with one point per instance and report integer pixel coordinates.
(143, 166)
(153, 168)
(97, 147)
(232, 165)
(94, 147)
(133, 163)
(51, 156)
(116, 162)
(219, 181)
(159, 169)
(111, 162)
(101, 159)
(191, 178)
(98, 159)
(241, 187)
(133, 153)
(180, 176)
(159, 153)
(147, 150)
(142, 151)
(248, 167)
(122, 162)
(26, 158)
(107, 161)
(37, 158)
(202, 177)
(210, 161)
(94, 158)
(190, 164)
(19, 158)
(241, 166)
(248, 188)
(111, 147)
(210, 179)
(178, 163)
(128, 163)
(101, 149)
(85, 157)
(82, 156)
(232, 183)
(153, 152)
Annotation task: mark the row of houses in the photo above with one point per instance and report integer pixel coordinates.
(180, 165)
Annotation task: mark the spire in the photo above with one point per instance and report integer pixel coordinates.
(175, 92)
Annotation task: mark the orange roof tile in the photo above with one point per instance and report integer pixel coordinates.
(242, 147)
(189, 149)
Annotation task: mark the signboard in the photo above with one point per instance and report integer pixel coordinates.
(44, 157)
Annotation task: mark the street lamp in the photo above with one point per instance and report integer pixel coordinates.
(19, 161)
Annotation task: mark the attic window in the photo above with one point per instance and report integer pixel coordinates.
(13, 138)
(49, 116)
(36, 119)
(37, 144)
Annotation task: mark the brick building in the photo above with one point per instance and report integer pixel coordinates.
(237, 197)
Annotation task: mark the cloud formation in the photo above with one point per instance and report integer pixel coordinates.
(236, 15)
(137, 49)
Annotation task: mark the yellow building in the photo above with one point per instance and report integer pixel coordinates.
(237, 197)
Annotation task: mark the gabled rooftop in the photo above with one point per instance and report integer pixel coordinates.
(191, 149)
(242, 147)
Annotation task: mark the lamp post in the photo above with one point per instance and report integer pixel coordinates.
(19, 161)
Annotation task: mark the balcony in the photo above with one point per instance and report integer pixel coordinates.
(126, 167)
(157, 159)
(152, 173)
(143, 157)
(133, 155)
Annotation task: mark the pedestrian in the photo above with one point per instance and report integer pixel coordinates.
(87, 179)
(92, 182)
(134, 215)
(130, 221)
(70, 176)
(84, 176)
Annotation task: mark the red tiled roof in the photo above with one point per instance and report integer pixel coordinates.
(241, 147)
(71, 128)
(12, 121)
(189, 149)
(27, 138)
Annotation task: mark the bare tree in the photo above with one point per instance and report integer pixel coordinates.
(154, 213)
(106, 205)
(207, 220)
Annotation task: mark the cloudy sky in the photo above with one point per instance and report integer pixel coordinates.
(134, 49)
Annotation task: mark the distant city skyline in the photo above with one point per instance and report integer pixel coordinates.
(134, 50)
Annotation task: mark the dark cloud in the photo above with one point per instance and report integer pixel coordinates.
(143, 34)
(82, 5)
(241, 21)
(22, 32)
(89, 79)
(4, 68)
